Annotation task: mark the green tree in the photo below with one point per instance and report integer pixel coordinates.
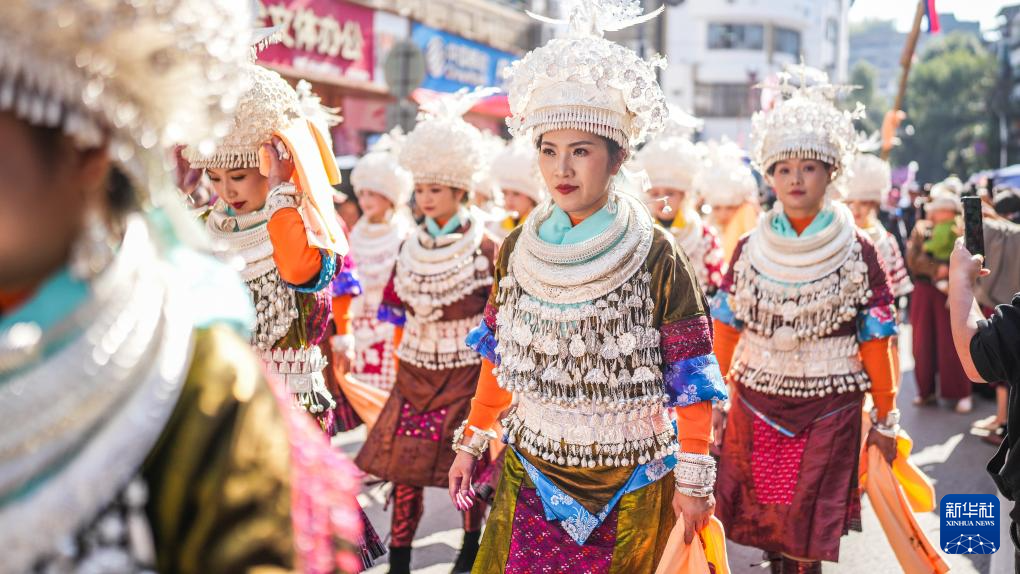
(864, 76)
(947, 103)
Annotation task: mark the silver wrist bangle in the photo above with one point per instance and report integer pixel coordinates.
(890, 427)
(695, 492)
(694, 473)
(477, 444)
(281, 196)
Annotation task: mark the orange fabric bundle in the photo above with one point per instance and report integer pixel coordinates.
(916, 485)
(315, 173)
(909, 542)
(694, 558)
(365, 399)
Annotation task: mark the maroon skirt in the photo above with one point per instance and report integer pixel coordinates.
(791, 486)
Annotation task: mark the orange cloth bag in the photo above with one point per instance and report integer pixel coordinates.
(708, 548)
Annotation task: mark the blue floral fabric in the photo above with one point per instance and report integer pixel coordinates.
(575, 519)
(694, 380)
(483, 341)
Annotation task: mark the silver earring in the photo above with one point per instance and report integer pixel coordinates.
(92, 251)
(611, 205)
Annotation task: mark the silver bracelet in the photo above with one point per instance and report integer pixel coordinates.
(695, 469)
(477, 444)
(890, 427)
(695, 492)
(283, 195)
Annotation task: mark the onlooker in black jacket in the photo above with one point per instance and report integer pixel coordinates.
(989, 351)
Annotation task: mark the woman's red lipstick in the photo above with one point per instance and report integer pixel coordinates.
(566, 189)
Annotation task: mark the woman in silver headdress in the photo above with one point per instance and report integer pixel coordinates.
(137, 433)
(596, 329)
(804, 325)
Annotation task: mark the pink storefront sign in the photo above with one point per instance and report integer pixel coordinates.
(321, 38)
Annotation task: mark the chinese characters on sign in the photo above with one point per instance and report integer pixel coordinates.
(969, 524)
(325, 37)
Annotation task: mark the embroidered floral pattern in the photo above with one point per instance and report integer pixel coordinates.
(427, 425)
(538, 545)
(687, 338)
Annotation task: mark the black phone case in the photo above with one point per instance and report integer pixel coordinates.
(973, 226)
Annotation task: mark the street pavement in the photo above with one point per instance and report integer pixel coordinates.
(945, 447)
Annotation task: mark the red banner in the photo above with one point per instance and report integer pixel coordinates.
(321, 37)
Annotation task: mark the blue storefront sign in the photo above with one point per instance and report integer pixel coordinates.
(452, 62)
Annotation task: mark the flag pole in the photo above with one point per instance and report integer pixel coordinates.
(893, 117)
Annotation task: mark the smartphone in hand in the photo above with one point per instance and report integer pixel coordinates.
(973, 225)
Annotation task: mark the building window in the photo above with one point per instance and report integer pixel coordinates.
(736, 37)
(786, 41)
(723, 100)
(832, 30)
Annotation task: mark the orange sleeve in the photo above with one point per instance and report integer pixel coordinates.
(398, 336)
(881, 364)
(694, 427)
(342, 313)
(489, 401)
(724, 344)
(298, 262)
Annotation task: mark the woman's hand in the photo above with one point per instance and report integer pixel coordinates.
(719, 416)
(280, 170)
(886, 444)
(695, 513)
(461, 492)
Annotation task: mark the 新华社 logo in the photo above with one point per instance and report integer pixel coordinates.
(969, 524)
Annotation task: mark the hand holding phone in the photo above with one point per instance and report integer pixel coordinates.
(973, 225)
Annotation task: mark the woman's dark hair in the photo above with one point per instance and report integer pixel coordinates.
(120, 191)
(828, 166)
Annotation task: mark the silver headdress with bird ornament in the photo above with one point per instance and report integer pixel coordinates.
(584, 81)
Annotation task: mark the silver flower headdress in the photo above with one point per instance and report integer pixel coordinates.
(725, 179)
(139, 75)
(379, 170)
(269, 105)
(672, 160)
(586, 82)
(516, 168)
(805, 123)
(443, 148)
(869, 179)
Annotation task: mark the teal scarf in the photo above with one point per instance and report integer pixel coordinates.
(450, 227)
(558, 229)
(782, 226)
